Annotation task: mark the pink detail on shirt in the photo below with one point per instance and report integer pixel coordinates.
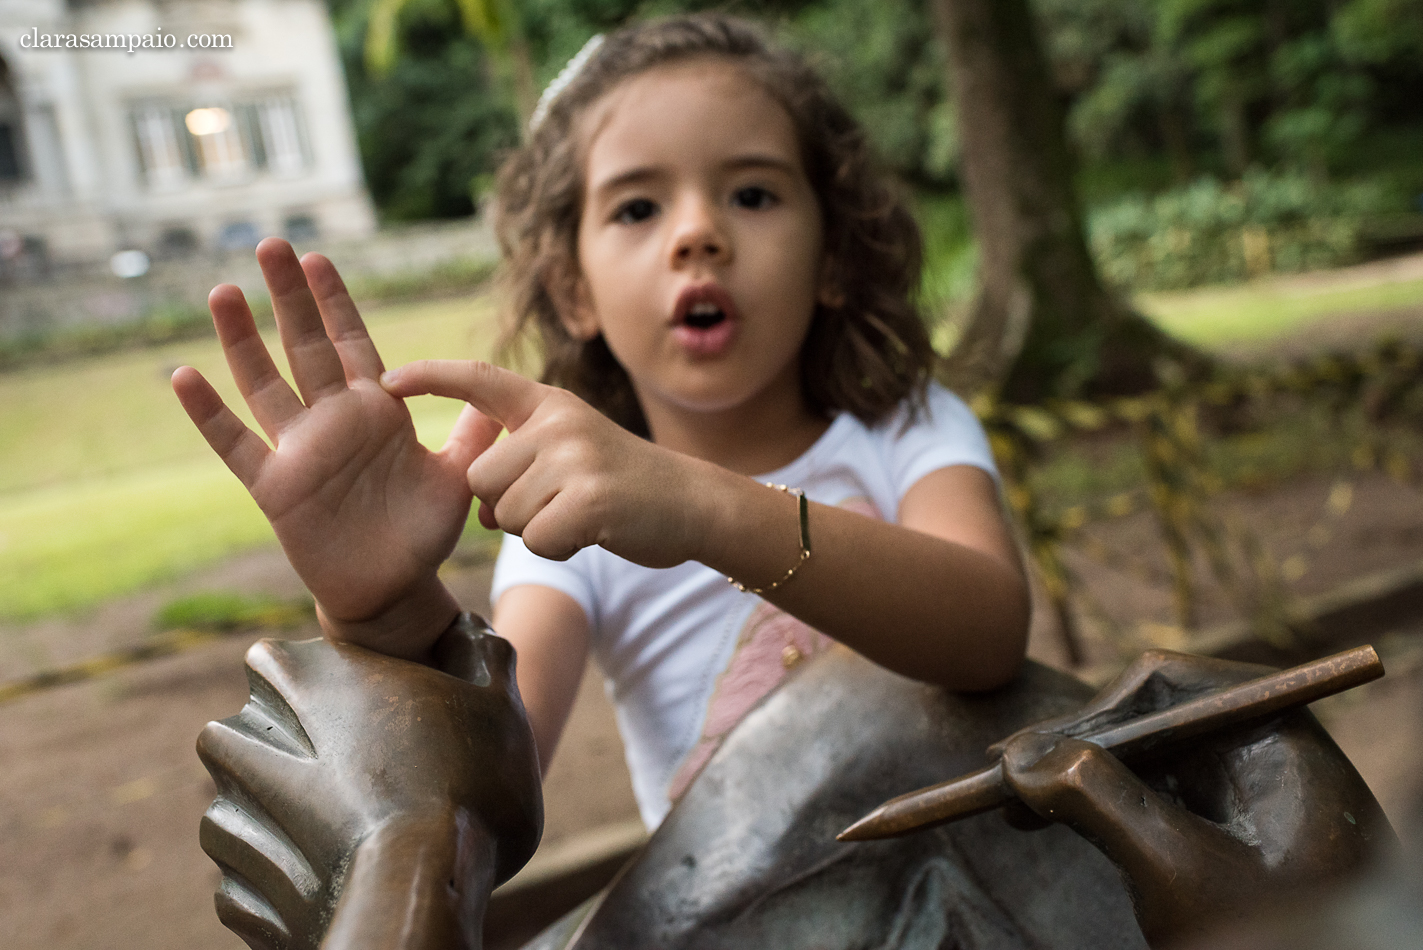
(759, 663)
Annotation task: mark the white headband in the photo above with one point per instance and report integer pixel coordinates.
(565, 76)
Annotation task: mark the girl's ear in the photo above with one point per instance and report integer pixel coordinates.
(574, 302)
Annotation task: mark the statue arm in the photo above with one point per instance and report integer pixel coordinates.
(1208, 835)
(416, 884)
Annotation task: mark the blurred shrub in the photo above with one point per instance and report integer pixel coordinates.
(1211, 232)
(458, 276)
(166, 323)
(224, 612)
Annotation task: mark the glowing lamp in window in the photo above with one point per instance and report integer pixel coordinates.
(209, 121)
(220, 144)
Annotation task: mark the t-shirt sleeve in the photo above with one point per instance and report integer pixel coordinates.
(945, 433)
(517, 565)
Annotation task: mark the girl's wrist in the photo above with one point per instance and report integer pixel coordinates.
(750, 531)
(714, 494)
(407, 629)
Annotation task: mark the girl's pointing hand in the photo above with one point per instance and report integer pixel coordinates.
(566, 477)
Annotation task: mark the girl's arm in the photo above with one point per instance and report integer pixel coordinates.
(939, 596)
(549, 631)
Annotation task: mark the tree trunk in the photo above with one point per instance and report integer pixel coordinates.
(1043, 324)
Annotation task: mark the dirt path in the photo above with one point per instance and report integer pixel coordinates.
(101, 793)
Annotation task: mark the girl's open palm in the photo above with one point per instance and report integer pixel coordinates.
(364, 512)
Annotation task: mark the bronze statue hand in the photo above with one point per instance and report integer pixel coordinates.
(1203, 837)
(369, 801)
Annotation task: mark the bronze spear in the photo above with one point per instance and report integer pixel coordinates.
(986, 789)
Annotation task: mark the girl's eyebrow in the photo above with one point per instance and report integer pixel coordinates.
(643, 173)
(630, 177)
(756, 160)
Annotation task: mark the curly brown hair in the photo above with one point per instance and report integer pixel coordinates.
(863, 356)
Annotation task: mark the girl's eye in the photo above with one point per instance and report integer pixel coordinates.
(638, 209)
(753, 197)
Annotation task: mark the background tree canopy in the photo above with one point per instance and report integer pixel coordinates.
(1158, 92)
(1207, 140)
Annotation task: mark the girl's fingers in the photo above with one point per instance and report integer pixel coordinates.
(474, 432)
(270, 398)
(344, 325)
(238, 446)
(498, 467)
(555, 531)
(314, 363)
(504, 395)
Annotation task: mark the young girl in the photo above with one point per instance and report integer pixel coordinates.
(740, 458)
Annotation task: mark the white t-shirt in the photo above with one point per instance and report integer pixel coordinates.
(685, 654)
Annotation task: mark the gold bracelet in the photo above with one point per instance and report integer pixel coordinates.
(799, 493)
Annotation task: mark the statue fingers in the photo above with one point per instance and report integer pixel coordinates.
(1155, 680)
(1103, 709)
(470, 651)
(266, 877)
(1181, 868)
(247, 914)
(245, 764)
(1090, 790)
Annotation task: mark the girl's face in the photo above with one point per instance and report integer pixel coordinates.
(700, 246)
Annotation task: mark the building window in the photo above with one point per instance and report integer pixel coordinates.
(12, 157)
(281, 134)
(220, 142)
(238, 236)
(177, 241)
(301, 227)
(159, 149)
(10, 172)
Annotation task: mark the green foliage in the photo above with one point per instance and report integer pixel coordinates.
(1220, 84)
(1209, 232)
(226, 611)
(950, 264)
(174, 322)
(1380, 31)
(884, 63)
(452, 277)
(166, 323)
(433, 122)
(434, 115)
(1188, 86)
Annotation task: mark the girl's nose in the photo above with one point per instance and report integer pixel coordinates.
(698, 236)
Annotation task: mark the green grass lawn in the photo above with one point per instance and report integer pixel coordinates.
(1265, 310)
(106, 487)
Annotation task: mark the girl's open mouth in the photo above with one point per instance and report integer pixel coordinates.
(704, 322)
(704, 315)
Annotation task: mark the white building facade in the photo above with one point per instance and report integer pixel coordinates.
(229, 121)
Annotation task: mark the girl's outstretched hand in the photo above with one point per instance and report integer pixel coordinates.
(567, 477)
(365, 513)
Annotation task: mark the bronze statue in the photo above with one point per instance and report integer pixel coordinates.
(1207, 835)
(332, 854)
(368, 800)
